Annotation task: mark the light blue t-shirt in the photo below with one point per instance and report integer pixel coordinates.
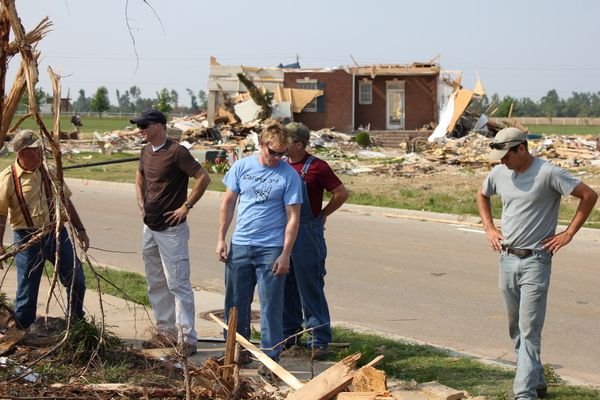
(530, 201)
(264, 192)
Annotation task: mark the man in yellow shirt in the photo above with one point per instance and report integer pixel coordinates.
(26, 196)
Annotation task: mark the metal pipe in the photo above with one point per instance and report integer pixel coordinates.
(122, 160)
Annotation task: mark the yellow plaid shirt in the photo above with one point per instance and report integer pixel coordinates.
(33, 192)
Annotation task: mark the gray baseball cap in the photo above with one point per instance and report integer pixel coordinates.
(504, 140)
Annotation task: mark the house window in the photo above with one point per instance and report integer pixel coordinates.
(365, 92)
(312, 84)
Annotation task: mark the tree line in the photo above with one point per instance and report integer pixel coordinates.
(128, 101)
(551, 105)
(585, 104)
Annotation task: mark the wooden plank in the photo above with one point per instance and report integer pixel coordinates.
(365, 396)
(277, 369)
(329, 383)
(230, 344)
(440, 391)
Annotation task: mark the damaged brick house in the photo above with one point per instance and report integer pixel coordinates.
(381, 97)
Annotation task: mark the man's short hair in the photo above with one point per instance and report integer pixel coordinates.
(273, 135)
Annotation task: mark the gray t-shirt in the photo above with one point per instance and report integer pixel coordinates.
(530, 201)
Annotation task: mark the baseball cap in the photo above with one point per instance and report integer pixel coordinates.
(25, 138)
(297, 131)
(150, 116)
(504, 140)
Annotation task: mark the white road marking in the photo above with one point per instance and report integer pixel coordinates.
(470, 230)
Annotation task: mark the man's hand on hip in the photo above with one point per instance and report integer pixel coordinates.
(176, 217)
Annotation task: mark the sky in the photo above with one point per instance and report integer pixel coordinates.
(521, 48)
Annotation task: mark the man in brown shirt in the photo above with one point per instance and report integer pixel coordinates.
(26, 196)
(161, 185)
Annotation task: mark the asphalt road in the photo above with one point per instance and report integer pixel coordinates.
(430, 281)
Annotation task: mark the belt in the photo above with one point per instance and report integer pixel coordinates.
(521, 253)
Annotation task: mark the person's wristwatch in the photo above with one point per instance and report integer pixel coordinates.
(189, 205)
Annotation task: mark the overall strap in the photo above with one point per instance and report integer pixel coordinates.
(48, 189)
(20, 197)
(306, 165)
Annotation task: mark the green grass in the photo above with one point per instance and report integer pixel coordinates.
(90, 123)
(564, 129)
(424, 363)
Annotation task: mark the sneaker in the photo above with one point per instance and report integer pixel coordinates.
(268, 375)
(542, 392)
(319, 353)
(158, 341)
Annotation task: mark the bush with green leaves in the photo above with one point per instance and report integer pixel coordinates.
(363, 139)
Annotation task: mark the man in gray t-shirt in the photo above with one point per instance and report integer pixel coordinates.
(530, 189)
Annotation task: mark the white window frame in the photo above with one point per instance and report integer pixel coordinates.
(365, 97)
(308, 83)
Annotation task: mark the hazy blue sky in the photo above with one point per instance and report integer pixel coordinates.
(519, 47)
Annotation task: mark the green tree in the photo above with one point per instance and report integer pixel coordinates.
(174, 98)
(504, 107)
(124, 101)
(163, 101)
(203, 100)
(193, 100)
(40, 97)
(82, 104)
(526, 108)
(551, 105)
(100, 102)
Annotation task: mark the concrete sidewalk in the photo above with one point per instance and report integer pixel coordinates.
(133, 324)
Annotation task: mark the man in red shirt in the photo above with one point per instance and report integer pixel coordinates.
(304, 296)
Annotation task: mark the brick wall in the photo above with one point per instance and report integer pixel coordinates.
(420, 108)
(337, 99)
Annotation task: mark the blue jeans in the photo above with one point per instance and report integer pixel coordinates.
(524, 283)
(304, 297)
(30, 265)
(246, 266)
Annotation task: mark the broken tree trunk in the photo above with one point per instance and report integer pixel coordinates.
(330, 382)
(262, 100)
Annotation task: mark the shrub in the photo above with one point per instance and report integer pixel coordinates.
(363, 139)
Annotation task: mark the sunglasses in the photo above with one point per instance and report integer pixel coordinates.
(145, 125)
(276, 153)
(505, 145)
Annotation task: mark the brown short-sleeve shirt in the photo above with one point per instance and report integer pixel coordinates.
(166, 175)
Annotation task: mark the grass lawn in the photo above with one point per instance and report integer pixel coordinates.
(90, 123)
(564, 129)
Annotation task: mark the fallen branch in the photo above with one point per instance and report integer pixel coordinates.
(122, 389)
